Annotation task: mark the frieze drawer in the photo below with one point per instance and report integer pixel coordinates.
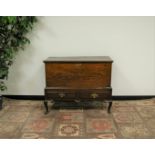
(95, 94)
(59, 95)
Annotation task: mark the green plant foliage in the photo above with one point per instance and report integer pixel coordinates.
(13, 30)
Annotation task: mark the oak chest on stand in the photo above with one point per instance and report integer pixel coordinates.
(78, 79)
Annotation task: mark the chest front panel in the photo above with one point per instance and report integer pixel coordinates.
(78, 74)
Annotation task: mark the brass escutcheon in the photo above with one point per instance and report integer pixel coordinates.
(78, 65)
(94, 95)
(61, 95)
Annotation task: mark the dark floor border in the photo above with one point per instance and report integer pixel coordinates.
(41, 97)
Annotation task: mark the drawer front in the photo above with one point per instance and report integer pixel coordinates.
(96, 94)
(59, 94)
(78, 75)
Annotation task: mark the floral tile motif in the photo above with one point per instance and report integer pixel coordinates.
(39, 125)
(74, 117)
(31, 135)
(103, 125)
(127, 117)
(69, 130)
(146, 111)
(96, 113)
(101, 136)
(15, 116)
(134, 131)
(106, 136)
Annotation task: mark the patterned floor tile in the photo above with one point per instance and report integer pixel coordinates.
(12, 102)
(99, 125)
(9, 129)
(38, 112)
(96, 113)
(145, 102)
(39, 125)
(69, 130)
(73, 117)
(26, 119)
(2, 112)
(123, 109)
(120, 103)
(146, 111)
(134, 131)
(20, 108)
(151, 124)
(127, 117)
(15, 116)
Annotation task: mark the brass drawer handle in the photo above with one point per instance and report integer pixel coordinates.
(61, 95)
(77, 100)
(94, 95)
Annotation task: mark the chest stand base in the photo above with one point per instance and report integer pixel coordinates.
(47, 109)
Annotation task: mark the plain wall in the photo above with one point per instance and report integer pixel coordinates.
(129, 41)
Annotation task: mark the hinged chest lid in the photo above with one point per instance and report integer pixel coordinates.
(79, 59)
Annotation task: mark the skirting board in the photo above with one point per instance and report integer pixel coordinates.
(41, 97)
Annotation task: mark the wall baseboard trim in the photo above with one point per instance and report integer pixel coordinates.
(133, 97)
(41, 97)
(25, 97)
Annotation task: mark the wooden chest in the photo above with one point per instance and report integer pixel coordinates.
(78, 79)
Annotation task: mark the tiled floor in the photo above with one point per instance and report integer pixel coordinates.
(26, 119)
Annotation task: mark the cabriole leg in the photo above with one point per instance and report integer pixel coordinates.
(46, 106)
(109, 107)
